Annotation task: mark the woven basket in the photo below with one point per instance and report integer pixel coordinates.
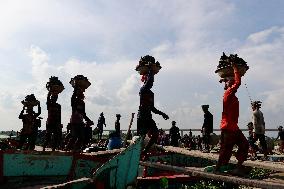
(30, 103)
(142, 70)
(55, 89)
(83, 84)
(229, 71)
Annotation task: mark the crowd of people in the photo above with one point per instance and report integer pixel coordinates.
(79, 130)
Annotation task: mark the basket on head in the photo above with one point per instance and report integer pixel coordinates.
(256, 104)
(54, 85)
(30, 100)
(147, 62)
(224, 68)
(205, 106)
(80, 81)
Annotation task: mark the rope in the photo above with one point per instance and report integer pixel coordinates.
(63, 185)
(248, 93)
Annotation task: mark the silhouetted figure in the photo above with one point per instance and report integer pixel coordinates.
(145, 122)
(207, 127)
(30, 126)
(161, 137)
(281, 136)
(174, 134)
(193, 143)
(53, 124)
(117, 125)
(190, 133)
(87, 135)
(77, 119)
(253, 148)
(100, 125)
(11, 134)
(199, 142)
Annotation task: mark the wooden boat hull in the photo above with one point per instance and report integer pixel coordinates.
(19, 169)
(22, 168)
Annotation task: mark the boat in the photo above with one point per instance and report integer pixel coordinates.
(120, 168)
(20, 169)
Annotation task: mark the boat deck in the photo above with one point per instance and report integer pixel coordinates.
(276, 166)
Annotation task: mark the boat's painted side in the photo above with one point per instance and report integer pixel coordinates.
(52, 167)
(24, 164)
(29, 168)
(116, 168)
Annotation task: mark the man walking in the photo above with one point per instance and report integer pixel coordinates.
(145, 123)
(207, 127)
(259, 126)
(53, 123)
(281, 136)
(174, 135)
(230, 133)
(117, 125)
(100, 125)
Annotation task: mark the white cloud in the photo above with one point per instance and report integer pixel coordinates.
(272, 101)
(263, 52)
(263, 36)
(128, 90)
(104, 42)
(39, 57)
(111, 88)
(265, 58)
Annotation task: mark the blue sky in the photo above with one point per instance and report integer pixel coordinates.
(104, 41)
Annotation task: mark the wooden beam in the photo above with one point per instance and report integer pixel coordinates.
(224, 178)
(275, 166)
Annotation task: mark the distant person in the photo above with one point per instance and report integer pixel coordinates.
(117, 124)
(174, 135)
(186, 141)
(190, 133)
(230, 133)
(161, 138)
(114, 141)
(53, 123)
(251, 139)
(11, 134)
(88, 133)
(281, 136)
(207, 127)
(145, 123)
(259, 126)
(199, 142)
(100, 125)
(193, 143)
(29, 124)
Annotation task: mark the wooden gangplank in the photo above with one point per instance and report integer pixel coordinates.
(198, 172)
(275, 166)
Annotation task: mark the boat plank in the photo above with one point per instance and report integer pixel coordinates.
(275, 166)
